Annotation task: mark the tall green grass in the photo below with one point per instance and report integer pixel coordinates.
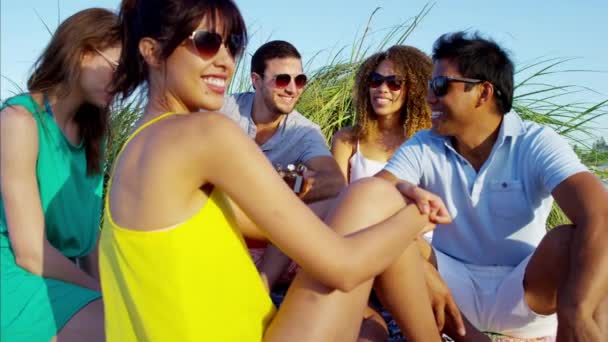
(327, 99)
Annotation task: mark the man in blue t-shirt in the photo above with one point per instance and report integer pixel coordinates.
(269, 117)
(498, 176)
(285, 136)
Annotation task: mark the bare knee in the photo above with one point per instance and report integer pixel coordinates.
(368, 201)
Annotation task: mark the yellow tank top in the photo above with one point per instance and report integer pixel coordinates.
(192, 282)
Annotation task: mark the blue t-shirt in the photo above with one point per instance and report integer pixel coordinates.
(499, 213)
(297, 139)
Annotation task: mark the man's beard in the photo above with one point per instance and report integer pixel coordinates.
(274, 108)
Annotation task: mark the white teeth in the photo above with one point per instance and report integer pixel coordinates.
(220, 82)
(382, 100)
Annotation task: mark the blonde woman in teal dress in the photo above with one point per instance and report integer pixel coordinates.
(51, 172)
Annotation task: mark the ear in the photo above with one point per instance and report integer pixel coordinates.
(150, 51)
(256, 80)
(86, 56)
(486, 94)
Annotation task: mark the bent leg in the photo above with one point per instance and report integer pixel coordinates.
(313, 312)
(429, 255)
(542, 278)
(86, 325)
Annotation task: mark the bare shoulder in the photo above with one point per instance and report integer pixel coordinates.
(193, 129)
(207, 125)
(19, 118)
(345, 136)
(17, 115)
(201, 133)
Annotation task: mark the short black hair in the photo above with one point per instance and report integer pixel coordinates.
(480, 58)
(271, 50)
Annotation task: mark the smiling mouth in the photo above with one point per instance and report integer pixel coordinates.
(215, 81)
(436, 115)
(382, 100)
(286, 98)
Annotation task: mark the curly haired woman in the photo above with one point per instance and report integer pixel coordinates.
(390, 103)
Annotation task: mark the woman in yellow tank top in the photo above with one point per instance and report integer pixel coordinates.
(186, 188)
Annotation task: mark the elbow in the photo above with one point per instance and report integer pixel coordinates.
(347, 284)
(29, 262)
(344, 278)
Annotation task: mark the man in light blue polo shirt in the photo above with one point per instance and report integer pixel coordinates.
(498, 176)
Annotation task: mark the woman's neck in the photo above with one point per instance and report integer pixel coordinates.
(161, 103)
(389, 124)
(63, 108)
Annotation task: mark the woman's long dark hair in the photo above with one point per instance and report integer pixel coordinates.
(169, 22)
(59, 66)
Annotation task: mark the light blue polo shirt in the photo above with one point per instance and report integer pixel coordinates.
(297, 140)
(499, 214)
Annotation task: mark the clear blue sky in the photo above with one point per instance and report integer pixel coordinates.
(528, 29)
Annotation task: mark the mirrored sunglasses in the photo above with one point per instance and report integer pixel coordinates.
(207, 43)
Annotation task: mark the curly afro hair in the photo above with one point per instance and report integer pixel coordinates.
(415, 68)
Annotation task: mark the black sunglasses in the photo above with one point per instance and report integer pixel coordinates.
(207, 44)
(393, 82)
(439, 84)
(283, 80)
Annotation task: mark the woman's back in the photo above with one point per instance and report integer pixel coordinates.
(194, 278)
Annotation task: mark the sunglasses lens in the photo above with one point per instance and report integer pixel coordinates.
(207, 43)
(300, 81)
(393, 83)
(376, 80)
(282, 80)
(439, 85)
(235, 45)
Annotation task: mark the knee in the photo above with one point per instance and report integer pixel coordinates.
(376, 192)
(365, 203)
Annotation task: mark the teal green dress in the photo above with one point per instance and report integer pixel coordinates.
(34, 308)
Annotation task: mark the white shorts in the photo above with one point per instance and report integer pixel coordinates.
(492, 298)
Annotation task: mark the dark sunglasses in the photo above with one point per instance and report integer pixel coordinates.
(207, 44)
(439, 84)
(283, 80)
(392, 82)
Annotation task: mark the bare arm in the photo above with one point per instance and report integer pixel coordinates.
(21, 198)
(275, 262)
(339, 262)
(427, 202)
(325, 180)
(585, 202)
(342, 150)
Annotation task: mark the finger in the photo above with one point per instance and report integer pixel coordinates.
(456, 316)
(308, 174)
(440, 317)
(440, 215)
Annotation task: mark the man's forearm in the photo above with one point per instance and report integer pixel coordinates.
(586, 284)
(326, 185)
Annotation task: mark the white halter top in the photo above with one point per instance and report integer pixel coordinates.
(361, 167)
